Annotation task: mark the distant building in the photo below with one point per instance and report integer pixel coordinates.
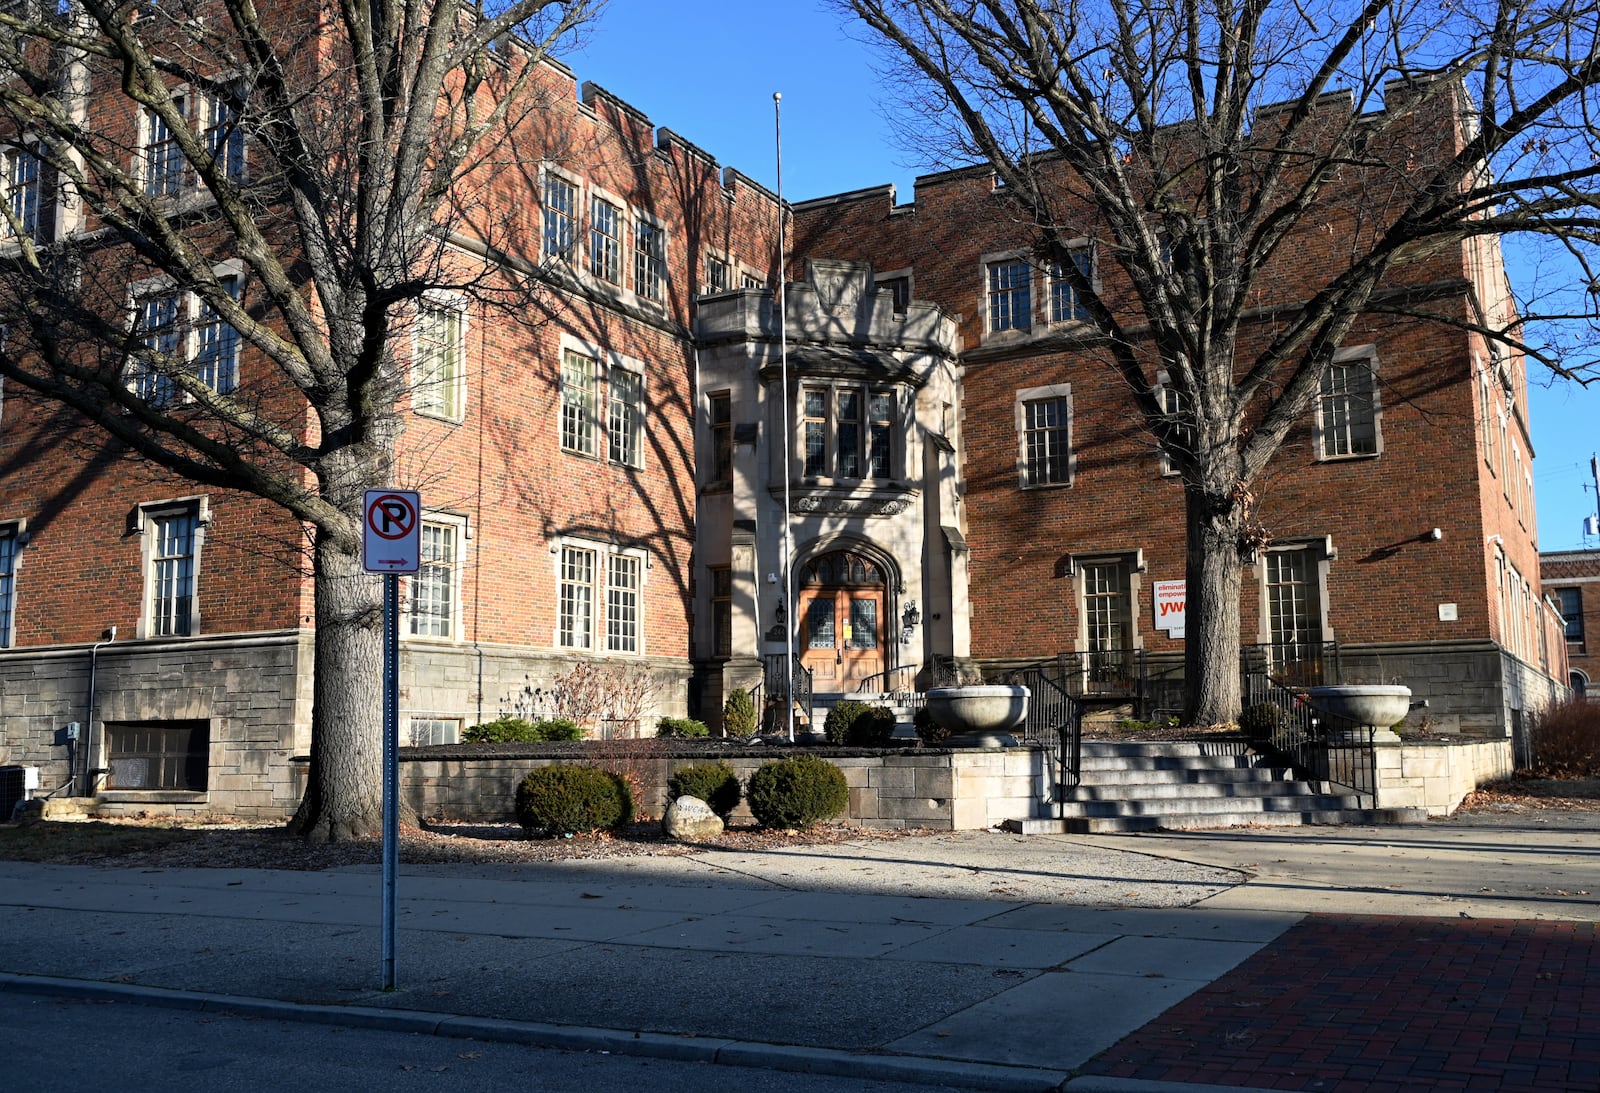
(1572, 580)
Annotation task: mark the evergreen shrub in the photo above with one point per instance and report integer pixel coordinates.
(565, 799)
(681, 727)
(796, 792)
(739, 714)
(859, 725)
(714, 783)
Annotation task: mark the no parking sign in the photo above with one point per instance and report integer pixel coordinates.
(391, 539)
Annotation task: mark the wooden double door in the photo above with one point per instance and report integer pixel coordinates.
(841, 621)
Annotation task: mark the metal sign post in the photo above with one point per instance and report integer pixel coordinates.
(391, 545)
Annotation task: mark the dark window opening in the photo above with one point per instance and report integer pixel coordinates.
(158, 755)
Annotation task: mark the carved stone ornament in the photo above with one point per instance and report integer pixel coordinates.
(844, 505)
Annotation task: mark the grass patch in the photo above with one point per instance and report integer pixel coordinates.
(54, 840)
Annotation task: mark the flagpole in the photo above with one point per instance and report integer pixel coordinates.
(790, 621)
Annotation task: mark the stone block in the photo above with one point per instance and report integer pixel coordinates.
(864, 804)
(935, 782)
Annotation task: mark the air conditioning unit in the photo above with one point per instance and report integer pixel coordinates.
(17, 784)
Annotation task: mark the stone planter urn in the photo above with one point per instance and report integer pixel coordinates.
(1371, 705)
(979, 716)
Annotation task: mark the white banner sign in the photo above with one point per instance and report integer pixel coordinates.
(1169, 605)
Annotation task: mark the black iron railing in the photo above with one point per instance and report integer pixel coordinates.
(775, 683)
(899, 682)
(1319, 746)
(1055, 720)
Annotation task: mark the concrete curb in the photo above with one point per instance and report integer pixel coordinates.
(786, 1057)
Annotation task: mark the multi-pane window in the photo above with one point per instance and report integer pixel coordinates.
(159, 333)
(750, 280)
(1571, 601)
(578, 403)
(605, 241)
(216, 354)
(171, 755)
(721, 611)
(625, 418)
(422, 732)
(1107, 607)
(8, 582)
(1347, 410)
(433, 589)
(437, 379)
(23, 192)
(1010, 301)
(1294, 609)
(1046, 441)
(1066, 305)
(721, 437)
(169, 579)
(224, 135)
(719, 276)
(1175, 408)
(649, 260)
(575, 619)
(898, 290)
(560, 216)
(857, 440)
(622, 603)
(163, 159)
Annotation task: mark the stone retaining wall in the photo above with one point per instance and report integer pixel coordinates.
(941, 789)
(1436, 776)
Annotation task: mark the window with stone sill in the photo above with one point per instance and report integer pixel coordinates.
(1009, 295)
(848, 431)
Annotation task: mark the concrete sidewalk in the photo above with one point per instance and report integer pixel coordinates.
(979, 960)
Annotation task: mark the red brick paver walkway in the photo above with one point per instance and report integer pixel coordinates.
(1352, 1004)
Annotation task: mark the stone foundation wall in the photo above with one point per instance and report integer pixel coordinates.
(1436, 776)
(252, 691)
(943, 790)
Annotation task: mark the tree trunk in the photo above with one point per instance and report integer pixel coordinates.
(1213, 573)
(344, 795)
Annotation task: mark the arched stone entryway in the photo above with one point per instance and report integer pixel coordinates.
(846, 596)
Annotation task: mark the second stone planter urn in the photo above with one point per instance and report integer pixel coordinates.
(1375, 705)
(979, 716)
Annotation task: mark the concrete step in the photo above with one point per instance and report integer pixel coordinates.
(1182, 748)
(1182, 776)
(1166, 791)
(1169, 762)
(1209, 806)
(1106, 825)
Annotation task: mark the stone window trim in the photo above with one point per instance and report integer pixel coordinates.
(1325, 435)
(461, 524)
(592, 640)
(626, 450)
(31, 206)
(1172, 403)
(574, 217)
(14, 535)
(1320, 550)
(161, 169)
(1017, 327)
(824, 469)
(191, 314)
(1074, 567)
(449, 402)
(719, 418)
(596, 425)
(143, 522)
(899, 285)
(1486, 433)
(1063, 304)
(1020, 402)
(652, 265)
(715, 265)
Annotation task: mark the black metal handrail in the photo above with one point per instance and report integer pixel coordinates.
(1055, 719)
(1319, 746)
(901, 679)
(775, 681)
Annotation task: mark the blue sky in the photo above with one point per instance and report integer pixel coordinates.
(708, 68)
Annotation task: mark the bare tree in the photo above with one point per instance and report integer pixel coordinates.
(1204, 148)
(307, 172)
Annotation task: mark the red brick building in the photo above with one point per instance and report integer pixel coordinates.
(603, 480)
(1572, 580)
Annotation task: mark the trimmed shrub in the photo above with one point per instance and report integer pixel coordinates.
(859, 725)
(739, 714)
(565, 799)
(502, 730)
(519, 730)
(681, 727)
(714, 783)
(1565, 740)
(929, 731)
(796, 792)
(558, 728)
